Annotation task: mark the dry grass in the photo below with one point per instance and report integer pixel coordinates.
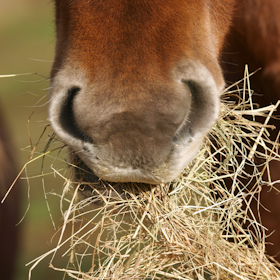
(192, 228)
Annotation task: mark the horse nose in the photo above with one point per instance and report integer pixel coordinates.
(144, 132)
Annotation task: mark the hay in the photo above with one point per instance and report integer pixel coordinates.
(192, 228)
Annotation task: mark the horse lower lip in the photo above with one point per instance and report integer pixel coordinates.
(91, 186)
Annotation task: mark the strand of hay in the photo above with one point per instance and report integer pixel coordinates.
(192, 228)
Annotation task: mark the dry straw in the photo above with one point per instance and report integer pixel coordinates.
(200, 226)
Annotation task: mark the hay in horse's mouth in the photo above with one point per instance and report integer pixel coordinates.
(91, 186)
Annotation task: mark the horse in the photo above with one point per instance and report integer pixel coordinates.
(10, 208)
(135, 85)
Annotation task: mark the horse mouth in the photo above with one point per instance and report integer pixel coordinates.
(99, 191)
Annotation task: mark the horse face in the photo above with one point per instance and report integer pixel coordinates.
(135, 84)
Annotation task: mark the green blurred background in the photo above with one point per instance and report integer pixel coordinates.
(27, 40)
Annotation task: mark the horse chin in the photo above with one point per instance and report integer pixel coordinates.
(98, 191)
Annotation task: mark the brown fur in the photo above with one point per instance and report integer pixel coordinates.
(115, 62)
(97, 34)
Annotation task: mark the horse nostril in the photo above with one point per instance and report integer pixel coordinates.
(67, 117)
(204, 105)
